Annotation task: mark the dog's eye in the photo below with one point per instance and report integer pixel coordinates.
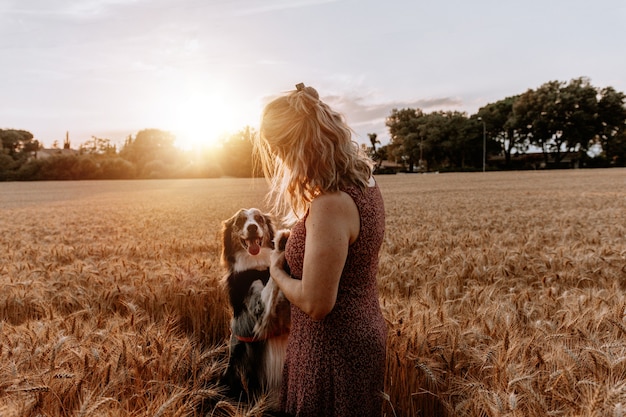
(259, 219)
(240, 222)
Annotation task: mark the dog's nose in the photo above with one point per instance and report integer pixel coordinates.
(252, 228)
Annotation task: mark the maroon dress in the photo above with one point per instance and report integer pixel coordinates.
(336, 366)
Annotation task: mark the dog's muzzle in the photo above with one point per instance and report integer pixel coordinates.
(252, 245)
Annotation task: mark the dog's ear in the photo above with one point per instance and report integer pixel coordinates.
(227, 240)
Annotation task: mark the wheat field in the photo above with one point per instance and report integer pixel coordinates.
(504, 295)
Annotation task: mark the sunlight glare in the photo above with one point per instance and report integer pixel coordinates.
(202, 121)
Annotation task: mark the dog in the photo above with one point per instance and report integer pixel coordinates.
(261, 313)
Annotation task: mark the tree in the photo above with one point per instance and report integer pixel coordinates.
(237, 152)
(18, 144)
(502, 127)
(98, 146)
(536, 113)
(579, 110)
(458, 140)
(431, 140)
(559, 117)
(612, 125)
(373, 141)
(7, 164)
(372, 151)
(148, 146)
(114, 167)
(59, 167)
(66, 143)
(438, 140)
(405, 135)
(619, 153)
(382, 154)
(447, 140)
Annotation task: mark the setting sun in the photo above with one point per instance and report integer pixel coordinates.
(202, 121)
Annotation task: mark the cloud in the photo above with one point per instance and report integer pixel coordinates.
(279, 5)
(66, 8)
(359, 110)
(369, 117)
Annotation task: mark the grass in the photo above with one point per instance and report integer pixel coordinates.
(503, 292)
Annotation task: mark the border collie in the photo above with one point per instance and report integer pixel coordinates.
(261, 314)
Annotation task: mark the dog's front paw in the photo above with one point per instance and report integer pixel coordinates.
(280, 239)
(280, 242)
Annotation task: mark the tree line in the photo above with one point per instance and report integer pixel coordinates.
(541, 127)
(558, 124)
(150, 154)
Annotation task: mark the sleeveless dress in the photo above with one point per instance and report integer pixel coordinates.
(336, 366)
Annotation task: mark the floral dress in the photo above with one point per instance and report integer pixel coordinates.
(336, 366)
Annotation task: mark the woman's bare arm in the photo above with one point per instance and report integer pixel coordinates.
(331, 226)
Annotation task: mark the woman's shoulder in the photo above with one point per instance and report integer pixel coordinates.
(335, 211)
(335, 201)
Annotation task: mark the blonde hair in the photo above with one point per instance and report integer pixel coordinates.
(306, 149)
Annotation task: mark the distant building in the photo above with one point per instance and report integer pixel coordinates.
(67, 150)
(47, 153)
(388, 167)
(537, 160)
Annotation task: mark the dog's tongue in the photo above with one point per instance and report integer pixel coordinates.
(254, 248)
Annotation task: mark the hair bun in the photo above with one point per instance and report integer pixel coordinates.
(312, 92)
(308, 90)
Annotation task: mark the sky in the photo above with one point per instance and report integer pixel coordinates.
(204, 68)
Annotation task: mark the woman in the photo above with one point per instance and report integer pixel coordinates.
(336, 352)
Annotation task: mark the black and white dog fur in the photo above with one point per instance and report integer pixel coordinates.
(261, 314)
